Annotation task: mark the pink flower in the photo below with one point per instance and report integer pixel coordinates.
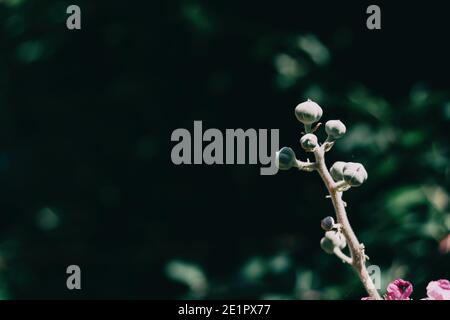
(438, 290)
(399, 290)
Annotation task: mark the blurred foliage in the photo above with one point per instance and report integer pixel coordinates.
(85, 124)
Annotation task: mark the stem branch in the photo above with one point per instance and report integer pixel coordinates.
(338, 253)
(358, 257)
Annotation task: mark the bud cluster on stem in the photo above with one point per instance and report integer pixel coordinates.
(341, 177)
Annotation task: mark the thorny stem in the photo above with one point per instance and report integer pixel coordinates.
(358, 257)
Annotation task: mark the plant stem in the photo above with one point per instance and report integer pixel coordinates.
(358, 257)
(338, 252)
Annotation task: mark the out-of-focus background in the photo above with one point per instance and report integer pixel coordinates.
(85, 124)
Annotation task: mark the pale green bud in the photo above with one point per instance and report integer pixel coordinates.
(335, 129)
(354, 174)
(337, 238)
(308, 112)
(327, 223)
(337, 170)
(285, 159)
(327, 245)
(309, 141)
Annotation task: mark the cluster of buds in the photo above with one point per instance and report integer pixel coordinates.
(347, 174)
(333, 240)
(339, 178)
(344, 174)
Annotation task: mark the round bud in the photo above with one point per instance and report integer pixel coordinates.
(309, 142)
(337, 238)
(354, 174)
(327, 223)
(285, 159)
(335, 129)
(308, 112)
(327, 245)
(337, 170)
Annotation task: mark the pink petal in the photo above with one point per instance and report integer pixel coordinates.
(399, 290)
(439, 290)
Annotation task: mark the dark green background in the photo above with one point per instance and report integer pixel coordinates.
(85, 124)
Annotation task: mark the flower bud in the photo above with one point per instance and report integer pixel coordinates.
(337, 238)
(335, 129)
(327, 223)
(309, 142)
(285, 159)
(327, 245)
(337, 170)
(308, 112)
(354, 174)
